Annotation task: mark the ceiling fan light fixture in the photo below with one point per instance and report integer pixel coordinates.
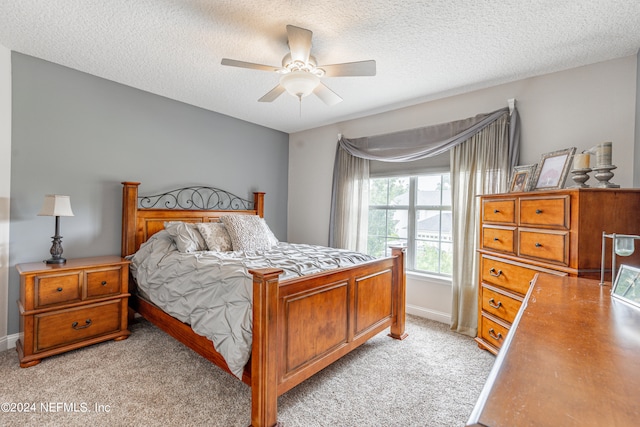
(299, 83)
(300, 74)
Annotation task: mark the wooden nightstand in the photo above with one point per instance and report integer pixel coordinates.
(68, 306)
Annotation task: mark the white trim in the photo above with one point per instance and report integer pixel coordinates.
(438, 316)
(428, 278)
(8, 342)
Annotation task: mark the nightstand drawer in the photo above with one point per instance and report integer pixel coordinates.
(102, 283)
(499, 238)
(56, 289)
(548, 245)
(74, 325)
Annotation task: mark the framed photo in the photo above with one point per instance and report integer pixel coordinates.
(522, 178)
(627, 285)
(553, 169)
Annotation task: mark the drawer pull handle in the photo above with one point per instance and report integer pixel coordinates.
(494, 274)
(538, 211)
(75, 326)
(493, 304)
(495, 239)
(59, 289)
(496, 211)
(493, 335)
(104, 283)
(538, 245)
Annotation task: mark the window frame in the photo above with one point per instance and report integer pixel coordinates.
(412, 214)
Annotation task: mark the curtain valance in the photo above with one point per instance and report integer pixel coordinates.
(415, 144)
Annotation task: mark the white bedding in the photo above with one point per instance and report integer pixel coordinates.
(212, 291)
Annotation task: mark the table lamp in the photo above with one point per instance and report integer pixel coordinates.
(56, 205)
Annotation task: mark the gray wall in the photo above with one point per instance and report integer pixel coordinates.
(80, 135)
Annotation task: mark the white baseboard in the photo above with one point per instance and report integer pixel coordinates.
(8, 342)
(438, 316)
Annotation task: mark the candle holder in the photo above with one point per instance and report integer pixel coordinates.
(580, 176)
(603, 175)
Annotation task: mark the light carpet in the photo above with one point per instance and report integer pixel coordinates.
(433, 378)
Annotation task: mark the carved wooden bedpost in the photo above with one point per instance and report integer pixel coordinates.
(399, 291)
(129, 210)
(264, 373)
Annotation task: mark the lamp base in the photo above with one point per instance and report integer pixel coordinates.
(56, 247)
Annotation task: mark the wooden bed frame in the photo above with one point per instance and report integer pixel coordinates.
(300, 325)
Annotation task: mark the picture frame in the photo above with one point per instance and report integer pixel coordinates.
(522, 178)
(627, 285)
(553, 169)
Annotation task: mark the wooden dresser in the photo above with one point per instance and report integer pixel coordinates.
(68, 306)
(572, 359)
(557, 232)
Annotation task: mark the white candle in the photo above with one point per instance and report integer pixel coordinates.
(603, 154)
(581, 161)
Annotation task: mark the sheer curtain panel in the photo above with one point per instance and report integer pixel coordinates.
(480, 165)
(349, 202)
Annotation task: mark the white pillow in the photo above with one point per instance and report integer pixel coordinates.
(186, 236)
(272, 237)
(248, 232)
(216, 236)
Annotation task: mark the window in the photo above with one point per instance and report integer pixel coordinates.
(414, 211)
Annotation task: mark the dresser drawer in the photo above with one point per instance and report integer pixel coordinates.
(544, 245)
(545, 212)
(492, 332)
(59, 328)
(509, 276)
(56, 289)
(499, 238)
(101, 283)
(500, 304)
(499, 211)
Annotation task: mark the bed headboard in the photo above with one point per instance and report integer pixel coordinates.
(142, 216)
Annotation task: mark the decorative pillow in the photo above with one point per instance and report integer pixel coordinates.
(247, 232)
(186, 236)
(272, 237)
(216, 236)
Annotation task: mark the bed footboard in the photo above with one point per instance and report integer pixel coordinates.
(302, 325)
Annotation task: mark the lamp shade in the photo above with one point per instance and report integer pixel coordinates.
(300, 83)
(56, 205)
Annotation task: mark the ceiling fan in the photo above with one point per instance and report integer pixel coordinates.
(300, 73)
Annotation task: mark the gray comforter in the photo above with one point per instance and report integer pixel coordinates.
(212, 291)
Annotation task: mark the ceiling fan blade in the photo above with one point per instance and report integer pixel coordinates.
(250, 65)
(272, 94)
(327, 95)
(299, 43)
(360, 68)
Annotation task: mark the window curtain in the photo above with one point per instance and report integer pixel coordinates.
(349, 202)
(349, 207)
(480, 165)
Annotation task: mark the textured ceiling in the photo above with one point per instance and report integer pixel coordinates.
(424, 49)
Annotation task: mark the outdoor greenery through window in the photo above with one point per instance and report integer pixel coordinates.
(414, 211)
